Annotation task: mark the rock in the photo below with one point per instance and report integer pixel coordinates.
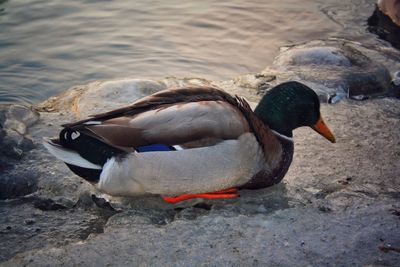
(254, 80)
(315, 55)
(14, 143)
(18, 118)
(14, 121)
(396, 78)
(17, 183)
(46, 204)
(102, 203)
(335, 69)
(29, 228)
(118, 93)
(29, 221)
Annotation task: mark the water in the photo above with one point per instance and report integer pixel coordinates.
(48, 46)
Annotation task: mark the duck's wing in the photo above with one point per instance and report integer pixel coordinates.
(170, 117)
(205, 169)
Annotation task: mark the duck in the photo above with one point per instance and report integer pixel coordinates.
(191, 142)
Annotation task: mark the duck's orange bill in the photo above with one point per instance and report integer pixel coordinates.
(321, 128)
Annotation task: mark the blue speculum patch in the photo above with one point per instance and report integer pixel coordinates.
(155, 147)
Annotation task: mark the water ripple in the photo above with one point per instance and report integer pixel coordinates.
(49, 46)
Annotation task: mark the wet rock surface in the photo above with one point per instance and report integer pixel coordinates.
(14, 121)
(338, 205)
(14, 143)
(335, 68)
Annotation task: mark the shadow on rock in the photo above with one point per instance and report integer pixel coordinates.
(35, 222)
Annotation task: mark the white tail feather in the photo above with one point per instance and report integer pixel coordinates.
(178, 147)
(69, 156)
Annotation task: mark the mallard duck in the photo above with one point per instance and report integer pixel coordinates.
(190, 142)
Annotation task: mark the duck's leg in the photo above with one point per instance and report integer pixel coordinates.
(226, 193)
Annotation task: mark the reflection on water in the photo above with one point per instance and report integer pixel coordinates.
(49, 46)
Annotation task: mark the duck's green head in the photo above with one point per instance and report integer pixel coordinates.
(291, 105)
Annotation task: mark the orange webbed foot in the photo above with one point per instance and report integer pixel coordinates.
(226, 193)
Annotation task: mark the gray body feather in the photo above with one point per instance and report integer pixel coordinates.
(227, 164)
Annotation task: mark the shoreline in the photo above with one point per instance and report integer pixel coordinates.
(337, 204)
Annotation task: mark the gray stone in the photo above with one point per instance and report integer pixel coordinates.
(118, 94)
(23, 227)
(15, 183)
(333, 67)
(14, 143)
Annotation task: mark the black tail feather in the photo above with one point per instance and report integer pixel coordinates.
(88, 147)
(90, 175)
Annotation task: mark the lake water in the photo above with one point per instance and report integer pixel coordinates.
(48, 46)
